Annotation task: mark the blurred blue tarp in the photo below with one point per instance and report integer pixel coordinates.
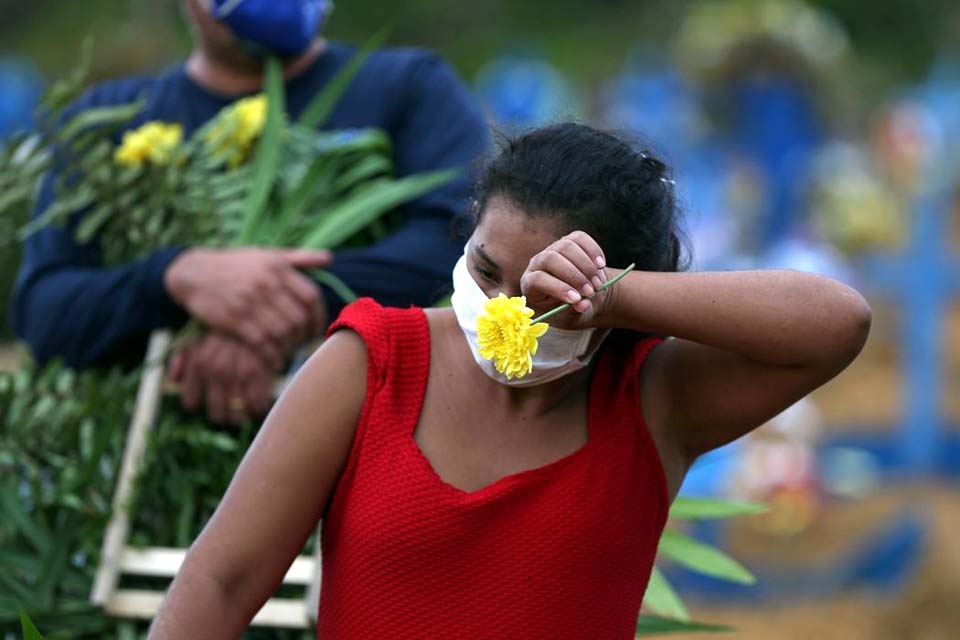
(20, 89)
(521, 90)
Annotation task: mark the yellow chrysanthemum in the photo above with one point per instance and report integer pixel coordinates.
(505, 335)
(153, 142)
(237, 127)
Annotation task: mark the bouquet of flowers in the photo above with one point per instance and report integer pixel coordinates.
(250, 176)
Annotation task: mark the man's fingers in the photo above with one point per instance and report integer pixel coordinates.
(302, 288)
(259, 394)
(256, 337)
(303, 259)
(191, 385)
(216, 402)
(308, 294)
(176, 366)
(277, 327)
(296, 316)
(238, 406)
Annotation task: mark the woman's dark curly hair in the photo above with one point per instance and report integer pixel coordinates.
(582, 178)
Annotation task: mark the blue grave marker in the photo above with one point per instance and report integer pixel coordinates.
(923, 278)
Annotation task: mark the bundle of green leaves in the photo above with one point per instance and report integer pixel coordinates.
(248, 177)
(62, 435)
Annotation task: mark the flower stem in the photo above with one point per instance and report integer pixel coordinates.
(564, 307)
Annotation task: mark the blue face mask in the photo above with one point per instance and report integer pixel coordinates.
(281, 27)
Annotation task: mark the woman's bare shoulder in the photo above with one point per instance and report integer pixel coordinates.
(442, 321)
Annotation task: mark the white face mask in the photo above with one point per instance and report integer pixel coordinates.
(560, 352)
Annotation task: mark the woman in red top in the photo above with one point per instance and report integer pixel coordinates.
(457, 503)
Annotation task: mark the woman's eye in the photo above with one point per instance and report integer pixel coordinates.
(486, 275)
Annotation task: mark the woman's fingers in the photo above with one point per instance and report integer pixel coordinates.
(571, 271)
(580, 249)
(562, 268)
(543, 289)
(597, 259)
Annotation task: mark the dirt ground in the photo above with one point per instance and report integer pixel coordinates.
(868, 395)
(928, 609)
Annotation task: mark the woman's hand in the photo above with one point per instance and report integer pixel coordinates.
(571, 270)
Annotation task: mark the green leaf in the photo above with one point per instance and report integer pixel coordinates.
(703, 508)
(15, 514)
(298, 201)
(320, 107)
(29, 630)
(185, 520)
(91, 223)
(367, 168)
(663, 599)
(703, 558)
(62, 92)
(14, 587)
(99, 117)
(21, 195)
(59, 211)
(352, 141)
(648, 625)
(368, 203)
(267, 160)
(337, 285)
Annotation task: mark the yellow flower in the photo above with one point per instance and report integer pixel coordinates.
(153, 142)
(237, 127)
(505, 335)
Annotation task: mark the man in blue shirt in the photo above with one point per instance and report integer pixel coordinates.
(257, 304)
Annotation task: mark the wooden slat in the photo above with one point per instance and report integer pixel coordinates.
(312, 600)
(117, 558)
(144, 415)
(277, 612)
(165, 562)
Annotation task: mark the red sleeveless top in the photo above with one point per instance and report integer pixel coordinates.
(560, 551)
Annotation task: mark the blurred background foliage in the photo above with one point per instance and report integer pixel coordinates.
(588, 39)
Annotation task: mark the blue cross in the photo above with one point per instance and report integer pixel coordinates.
(924, 278)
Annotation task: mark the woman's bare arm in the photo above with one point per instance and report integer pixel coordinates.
(274, 501)
(748, 344)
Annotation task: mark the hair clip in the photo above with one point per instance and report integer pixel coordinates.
(668, 181)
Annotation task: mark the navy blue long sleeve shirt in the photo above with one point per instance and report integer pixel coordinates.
(67, 304)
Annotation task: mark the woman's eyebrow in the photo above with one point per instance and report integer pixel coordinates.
(486, 258)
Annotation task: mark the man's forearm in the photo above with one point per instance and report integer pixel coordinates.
(81, 313)
(412, 266)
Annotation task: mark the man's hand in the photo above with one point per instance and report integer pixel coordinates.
(257, 295)
(226, 375)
